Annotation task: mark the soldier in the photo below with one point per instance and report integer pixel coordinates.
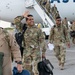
(43, 3)
(48, 7)
(8, 45)
(65, 22)
(19, 25)
(73, 29)
(39, 25)
(57, 14)
(59, 36)
(19, 31)
(35, 43)
(39, 1)
(54, 10)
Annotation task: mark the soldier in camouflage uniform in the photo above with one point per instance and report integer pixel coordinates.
(57, 14)
(18, 23)
(59, 36)
(35, 43)
(20, 28)
(65, 22)
(8, 45)
(43, 3)
(54, 11)
(73, 29)
(39, 2)
(48, 7)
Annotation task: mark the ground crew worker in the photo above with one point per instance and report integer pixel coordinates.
(73, 29)
(34, 41)
(59, 36)
(39, 25)
(8, 45)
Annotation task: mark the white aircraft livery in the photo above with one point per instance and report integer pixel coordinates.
(9, 9)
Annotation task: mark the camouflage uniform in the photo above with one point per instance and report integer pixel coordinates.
(65, 22)
(39, 1)
(48, 7)
(54, 11)
(73, 29)
(19, 28)
(8, 45)
(39, 25)
(43, 3)
(35, 42)
(57, 14)
(59, 36)
(18, 23)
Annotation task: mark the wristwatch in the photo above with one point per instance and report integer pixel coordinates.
(18, 62)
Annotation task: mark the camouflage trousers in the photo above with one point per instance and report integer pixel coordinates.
(59, 52)
(30, 64)
(73, 40)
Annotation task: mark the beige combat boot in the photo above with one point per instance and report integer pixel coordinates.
(62, 67)
(59, 62)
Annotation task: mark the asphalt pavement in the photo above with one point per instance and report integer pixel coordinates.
(69, 68)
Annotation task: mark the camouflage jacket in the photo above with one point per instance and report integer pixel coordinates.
(34, 40)
(19, 26)
(73, 27)
(18, 23)
(58, 34)
(8, 45)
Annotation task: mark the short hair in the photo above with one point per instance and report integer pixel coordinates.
(17, 17)
(28, 16)
(58, 17)
(65, 17)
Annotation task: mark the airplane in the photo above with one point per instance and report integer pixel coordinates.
(9, 9)
(65, 8)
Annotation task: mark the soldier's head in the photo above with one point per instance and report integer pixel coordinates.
(73, 22)
(65, 18)
(58, 20)
(16, 23)
(30, 20)
(54, 5)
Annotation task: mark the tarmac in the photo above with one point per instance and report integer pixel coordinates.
(69, 67)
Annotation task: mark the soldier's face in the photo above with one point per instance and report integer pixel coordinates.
(58, 21)
(74, 22)
(30, 21)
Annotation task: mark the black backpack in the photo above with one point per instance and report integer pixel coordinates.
(44, 3)
(20, 37)
(45, 67)
(72, 33)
